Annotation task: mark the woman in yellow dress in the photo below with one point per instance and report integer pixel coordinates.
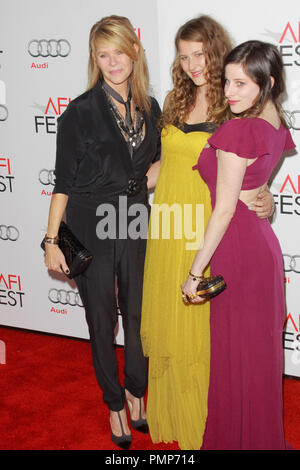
(176, 336)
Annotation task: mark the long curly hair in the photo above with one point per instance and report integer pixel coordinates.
(181, 100)
(119, 31)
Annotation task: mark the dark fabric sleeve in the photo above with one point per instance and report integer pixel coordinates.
(244, 137)
(155, 114)
(68, 150)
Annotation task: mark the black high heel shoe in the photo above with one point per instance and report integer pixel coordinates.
(141, 423)
(123, 441)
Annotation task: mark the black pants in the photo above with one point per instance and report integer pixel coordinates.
(112, 258)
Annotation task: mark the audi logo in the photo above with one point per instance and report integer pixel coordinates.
(291, 263)
(9, 232)
(47, 177)
(65, 297)
(49, 47)
(3, 112)
(293, 120)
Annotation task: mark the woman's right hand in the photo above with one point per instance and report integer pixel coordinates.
(55, 259)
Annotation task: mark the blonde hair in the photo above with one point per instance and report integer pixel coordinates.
(119, 31)
(216, 45)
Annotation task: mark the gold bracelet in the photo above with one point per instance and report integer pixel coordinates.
(195, 277)
(51, 240)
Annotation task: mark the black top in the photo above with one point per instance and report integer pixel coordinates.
(199, 127)
(92, 157)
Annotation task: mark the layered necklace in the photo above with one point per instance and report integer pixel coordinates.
(132, 131)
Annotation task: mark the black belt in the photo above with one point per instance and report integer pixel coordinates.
(134, 187)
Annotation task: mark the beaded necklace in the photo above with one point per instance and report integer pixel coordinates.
(132, 131)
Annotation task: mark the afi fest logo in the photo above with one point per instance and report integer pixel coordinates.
(288, 199)
(47, 122)
(138, 32)
(11, 292)
(6, 176)
(291, 337)
(289, 44)
(288, 40)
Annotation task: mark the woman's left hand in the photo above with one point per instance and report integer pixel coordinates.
(190, 288)
(264, 204)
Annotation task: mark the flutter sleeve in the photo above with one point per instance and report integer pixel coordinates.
(289, 143)
(244, 137)
(68, 144)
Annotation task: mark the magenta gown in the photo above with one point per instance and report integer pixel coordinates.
(245, 393)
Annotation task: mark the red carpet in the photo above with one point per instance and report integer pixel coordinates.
(50, 400)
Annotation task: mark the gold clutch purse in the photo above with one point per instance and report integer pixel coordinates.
(208, 288)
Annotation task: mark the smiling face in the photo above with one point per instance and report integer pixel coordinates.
(115, 66)
(240, 90)
(192, 60)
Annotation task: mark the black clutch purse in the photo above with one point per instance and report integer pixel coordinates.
(77, 256)
(211, 286)
(208, 288)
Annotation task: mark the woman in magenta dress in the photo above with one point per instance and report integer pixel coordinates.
(245, 393)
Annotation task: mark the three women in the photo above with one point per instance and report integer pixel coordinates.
(175, 336)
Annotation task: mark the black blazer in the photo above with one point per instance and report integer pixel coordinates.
(92, 157)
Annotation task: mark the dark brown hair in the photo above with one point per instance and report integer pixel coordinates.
(260, 61)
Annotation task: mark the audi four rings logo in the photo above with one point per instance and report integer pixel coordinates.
(291, 263)
(65, 297)
(49, 48)
(9, 232)
(47, 177)
(294, 115)
(3, 112)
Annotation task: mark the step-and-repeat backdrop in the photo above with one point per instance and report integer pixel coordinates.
(43, 65)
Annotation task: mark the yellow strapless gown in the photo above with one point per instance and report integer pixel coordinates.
(175, 336)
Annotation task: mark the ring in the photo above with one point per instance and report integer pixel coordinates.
(187, 298)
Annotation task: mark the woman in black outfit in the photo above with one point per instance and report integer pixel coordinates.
(106, 143)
